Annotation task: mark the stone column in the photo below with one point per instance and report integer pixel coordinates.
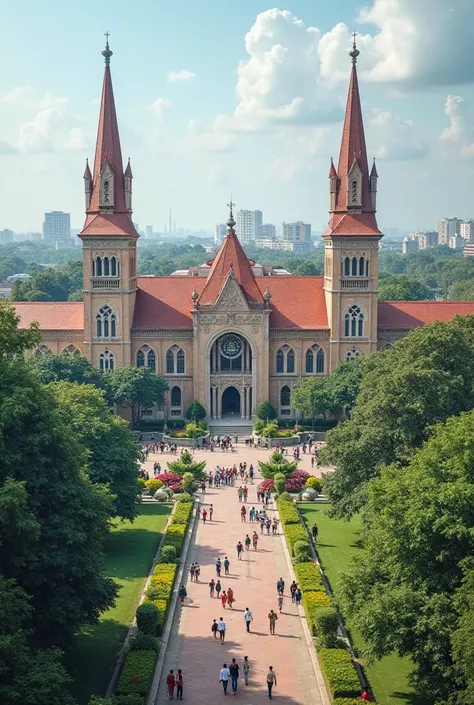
(243, 402)
(218, 403)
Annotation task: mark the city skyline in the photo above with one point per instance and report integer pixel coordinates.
(263, 127)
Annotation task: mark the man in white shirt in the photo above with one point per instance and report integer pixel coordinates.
(224, 676)
(248, 618)
(221, 630)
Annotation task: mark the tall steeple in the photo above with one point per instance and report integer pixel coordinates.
(109, 198)
(352, 209)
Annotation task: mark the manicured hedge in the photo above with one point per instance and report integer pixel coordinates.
(347, 701)
(308, 577)
(294, 533)
(126, 700)
(176, 530)
(182, 513)
(136, 673)
(313, 602)
(160, 590)
(173, 540)
(339, 672)
(288, 513)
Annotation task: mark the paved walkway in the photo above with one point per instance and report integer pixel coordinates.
(253, 580)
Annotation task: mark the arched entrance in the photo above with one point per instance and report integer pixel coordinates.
(231, 402)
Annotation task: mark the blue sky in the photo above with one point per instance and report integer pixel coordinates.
(215, 96)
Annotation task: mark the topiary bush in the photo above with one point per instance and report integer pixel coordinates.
(302, 551)
(144, 642)
(308, 577)
(266, 411)
(196, 412)
(284, 496)
(173, 540)
(189, 483)
(147, 616)
(280, 483)
(168, 554)
(314, 483)
(185, 498)
(294, 533)
(136, 673)
(153, 485)
(325, 621)
(339, 672)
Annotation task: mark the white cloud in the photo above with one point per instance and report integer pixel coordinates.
(461, 127)
(392, 137)
(182, 76)
(160, 106)
(201, 137)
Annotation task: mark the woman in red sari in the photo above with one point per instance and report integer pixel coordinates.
(170, 684)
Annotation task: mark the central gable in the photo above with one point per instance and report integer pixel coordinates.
(231, 296)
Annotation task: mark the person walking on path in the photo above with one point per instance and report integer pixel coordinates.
(245, 491)
(246, 669)
(226, 566)
(197, 572)
(247, 542)
(218, 567)
(218, 588)
(298, 597)
(234, 674)
(248, 618)
(214, 628)
(211, 512)
(271, 681)
(230, 597)
(314, 532)
(182, 593)
(280, 603)
(255, 540)
(170, 684)
(240, 492)
(272, 618)
(192, 571)
(212, 587)
(262, 524)
(221, 630)
(280, 586)
(240, 549)
(179, 685)
(293, 589)
(224, 676)
(204, 516)
(224, 598)
(243, 513)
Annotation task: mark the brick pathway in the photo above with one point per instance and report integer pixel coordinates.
(253, 580)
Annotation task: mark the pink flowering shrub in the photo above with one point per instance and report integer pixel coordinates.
(171, 479)
(294, 482)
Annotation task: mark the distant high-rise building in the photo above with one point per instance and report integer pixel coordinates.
(467, 230)
(248, 225)
(448, 228)
(149, 231)
(57, 225)
(410, 244)
(299, 234)
(6, 236)
(428, 238)
(219, 233)
(170, 223)
(267, 230)
(456, 242)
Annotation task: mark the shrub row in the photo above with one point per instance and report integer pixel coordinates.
(176, 531)
(338, 669)
(160, 590)
(346, 701)
(293, 534)
(136, 673)
(308, 577)
(288, 513)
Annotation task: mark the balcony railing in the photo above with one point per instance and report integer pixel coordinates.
(355, 283)
(106, 283)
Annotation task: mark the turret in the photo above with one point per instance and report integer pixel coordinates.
(127, 177)
(87, 184)
(373, 185)
(332, 186)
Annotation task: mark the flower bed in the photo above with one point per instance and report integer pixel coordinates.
(136, 673)
(172, 480)
(294, 482)
(339, 672)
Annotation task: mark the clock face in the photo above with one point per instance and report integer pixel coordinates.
(231, 347)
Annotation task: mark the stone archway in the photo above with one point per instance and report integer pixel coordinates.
(230, 402)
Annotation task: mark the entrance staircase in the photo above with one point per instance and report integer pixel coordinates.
(229, 426)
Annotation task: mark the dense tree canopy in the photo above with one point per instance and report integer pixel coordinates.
(60, 283)
(402, 593)
(137, 389)
(426, 377)
(14, 341)
(113, 450)
(69, 368)
(402, 288)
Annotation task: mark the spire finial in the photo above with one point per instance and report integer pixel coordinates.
(231, 221)
(355, 52)
(107, 53)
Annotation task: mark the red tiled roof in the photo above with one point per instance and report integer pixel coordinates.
(346, 224)
(58, 315)
(165, 302)
(108, 224)
(231, 256)
(411, 314)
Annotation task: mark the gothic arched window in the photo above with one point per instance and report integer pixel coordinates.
(354, 322)
(285, 396)
(280, 361)
(175, 361)
(146, 358)
(176, 396)
(315, 360)
(106, 361)
(42, 350)
(361, 266)
(71, 350)
(347, 267)
(113, 266)
(290, 361)
(106, 267)
(352, 354)
(106, 323)
(98, 267)
(285, 360)
(354, 267)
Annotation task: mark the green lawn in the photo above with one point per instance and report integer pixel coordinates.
(338, 541)
(130, 550)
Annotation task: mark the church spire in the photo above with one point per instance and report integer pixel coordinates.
(110, 189)
(350, 193)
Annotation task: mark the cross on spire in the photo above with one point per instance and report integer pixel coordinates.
(355, 52)
(107, 53)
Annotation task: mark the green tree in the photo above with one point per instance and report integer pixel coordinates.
(402, 591)
(277, 463)
(113, 451)
(344, 383)
(462, 640)
(196, 412)
(312, 398)
(185, 463)
(462, 291)
(426, 377)
(69, 368)
(14, 341)
(266, 411)
(402, 288)
(53, 519)
(29, 676)
(137, 389)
